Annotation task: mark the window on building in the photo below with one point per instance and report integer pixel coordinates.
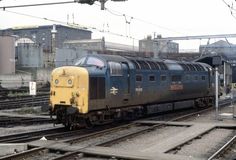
(115, 68)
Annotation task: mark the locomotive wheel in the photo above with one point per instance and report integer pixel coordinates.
(88, 123)
(69, 122)
(68, 126)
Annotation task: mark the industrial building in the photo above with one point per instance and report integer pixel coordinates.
(74, 49)
(42, 35)
(158, 47)
(99, 45)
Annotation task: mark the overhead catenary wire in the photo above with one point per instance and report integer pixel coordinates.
(231, 8)
(108, 10)
(117, 13)
(74, 25)
(39, 4)
(141, 20)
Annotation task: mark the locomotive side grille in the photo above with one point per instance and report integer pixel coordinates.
(97, 87)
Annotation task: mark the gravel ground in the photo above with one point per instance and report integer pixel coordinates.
(207, 145)
(147, 140)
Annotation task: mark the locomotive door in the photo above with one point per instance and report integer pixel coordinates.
(126, 74)
(119, 85)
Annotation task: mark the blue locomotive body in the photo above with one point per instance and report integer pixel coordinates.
(120, 86)
(135, 81)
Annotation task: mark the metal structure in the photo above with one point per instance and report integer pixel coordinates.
(216, 62)
(196, 37)
(90, 2)
(161, 47)
(43, 35)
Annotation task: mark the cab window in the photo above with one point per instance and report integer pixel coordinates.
(115, 69)
(95, 62)
(80, 61)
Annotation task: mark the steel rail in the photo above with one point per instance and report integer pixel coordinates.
(16, 121)
(223, 148)
(23, 154)
(18, 137)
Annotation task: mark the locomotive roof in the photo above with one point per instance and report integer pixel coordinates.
(115, 58)
(163, 64)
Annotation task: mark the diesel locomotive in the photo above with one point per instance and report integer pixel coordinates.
(102, 88)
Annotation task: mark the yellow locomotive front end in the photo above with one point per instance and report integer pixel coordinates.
(69, 93)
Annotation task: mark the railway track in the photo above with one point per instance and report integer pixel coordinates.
(221, 152)
(30, 136)
(6, 121)
(116, 139)
(36, 153)
(15, 97)
(78, 138)
(26, 101)
(20, 93)
(85, 137)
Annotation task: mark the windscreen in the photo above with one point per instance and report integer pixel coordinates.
(90, 61)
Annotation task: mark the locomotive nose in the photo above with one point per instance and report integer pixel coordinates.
(69, 88)
(63, 89)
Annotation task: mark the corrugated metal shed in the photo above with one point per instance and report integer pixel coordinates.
(29, 55)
